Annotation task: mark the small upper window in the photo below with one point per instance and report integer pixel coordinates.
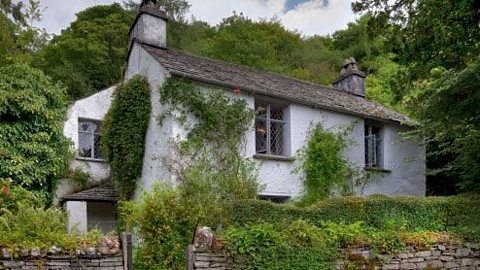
(373, 146)
(89, 139)
(269, 129)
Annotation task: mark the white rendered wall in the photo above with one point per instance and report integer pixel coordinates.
(77, 215)
(157, 138)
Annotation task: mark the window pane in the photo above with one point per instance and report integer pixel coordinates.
(276, 138)
(97, 151)
(260, 136)
(276, 113)
(85, 144)
(87, 126)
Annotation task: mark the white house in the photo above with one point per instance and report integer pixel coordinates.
(291, 107)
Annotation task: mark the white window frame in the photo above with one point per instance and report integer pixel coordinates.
(92, 143)
(373, 145)
(268, 121)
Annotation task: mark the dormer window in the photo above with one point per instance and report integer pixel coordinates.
(269, 129)
(373, 146)
(89, 139)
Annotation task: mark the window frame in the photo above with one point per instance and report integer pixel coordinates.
(378, 147)
(268, 120)
(92, 143)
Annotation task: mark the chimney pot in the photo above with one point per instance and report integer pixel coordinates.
(150, 25)
(351, 79)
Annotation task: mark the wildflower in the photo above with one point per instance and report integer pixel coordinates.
(5, 190)
(236, 90)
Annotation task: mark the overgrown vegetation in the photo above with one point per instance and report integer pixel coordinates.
(326, 169)
(211, 174)
(456, 215)
(33, 151)
(301, 244)
(124, 130)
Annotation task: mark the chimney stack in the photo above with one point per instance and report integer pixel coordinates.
(150, 26)
(351, 79)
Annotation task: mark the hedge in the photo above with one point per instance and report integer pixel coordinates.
(458, 214)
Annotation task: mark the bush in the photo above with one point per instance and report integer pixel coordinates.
(33, 151)
(31, 227)
(459, 214)
(165, 222)
(12, 196)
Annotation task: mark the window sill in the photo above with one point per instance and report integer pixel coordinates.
(278, 158)
(375, 169)
(90, 159)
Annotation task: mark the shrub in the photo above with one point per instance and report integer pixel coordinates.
(459, 214)
(33, 150)
(12, 196)
(32, 227)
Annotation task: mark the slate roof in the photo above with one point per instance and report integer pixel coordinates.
(104, 193)
(268, 84)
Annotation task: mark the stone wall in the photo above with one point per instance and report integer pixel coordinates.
(110, 253)
(463, 257)
(109, 262)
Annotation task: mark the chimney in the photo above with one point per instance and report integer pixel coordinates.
(351, 79)
(150, 26)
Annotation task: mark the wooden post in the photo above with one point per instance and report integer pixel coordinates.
(190, 258)
(127, 250)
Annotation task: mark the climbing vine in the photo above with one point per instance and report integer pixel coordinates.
(213, 161)
(326, 169)
(124, 130)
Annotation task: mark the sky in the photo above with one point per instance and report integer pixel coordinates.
(309, 17)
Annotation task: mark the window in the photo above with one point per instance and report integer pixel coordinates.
(373, 146)
(269, 130)
(89, 139)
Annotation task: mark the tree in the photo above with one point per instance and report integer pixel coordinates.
(33, 150)
(439, 82)
(19, 39)
(90, 53)
(175, 9)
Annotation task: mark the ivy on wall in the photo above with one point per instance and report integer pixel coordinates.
(124, 130)
(211, 153)
(326, 169)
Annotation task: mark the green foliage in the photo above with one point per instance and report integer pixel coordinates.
(214, 169)
(267, 246)
(33, 150)
(19, 38)
(449, 115)
(165, 220)
(90, 53)
(12, 196)
(31, 227)
(124, 130)
(212, 174)
(451, 214)
(326, 169)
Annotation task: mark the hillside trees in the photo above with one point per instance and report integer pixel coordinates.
(90, 53)
(19, 39)
(439, 49)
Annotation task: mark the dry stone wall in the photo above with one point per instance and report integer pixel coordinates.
(110, 262)
(464, 257)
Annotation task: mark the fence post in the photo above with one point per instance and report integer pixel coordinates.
(190, 258)
(127, 250)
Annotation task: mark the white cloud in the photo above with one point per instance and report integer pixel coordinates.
(309, 18)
